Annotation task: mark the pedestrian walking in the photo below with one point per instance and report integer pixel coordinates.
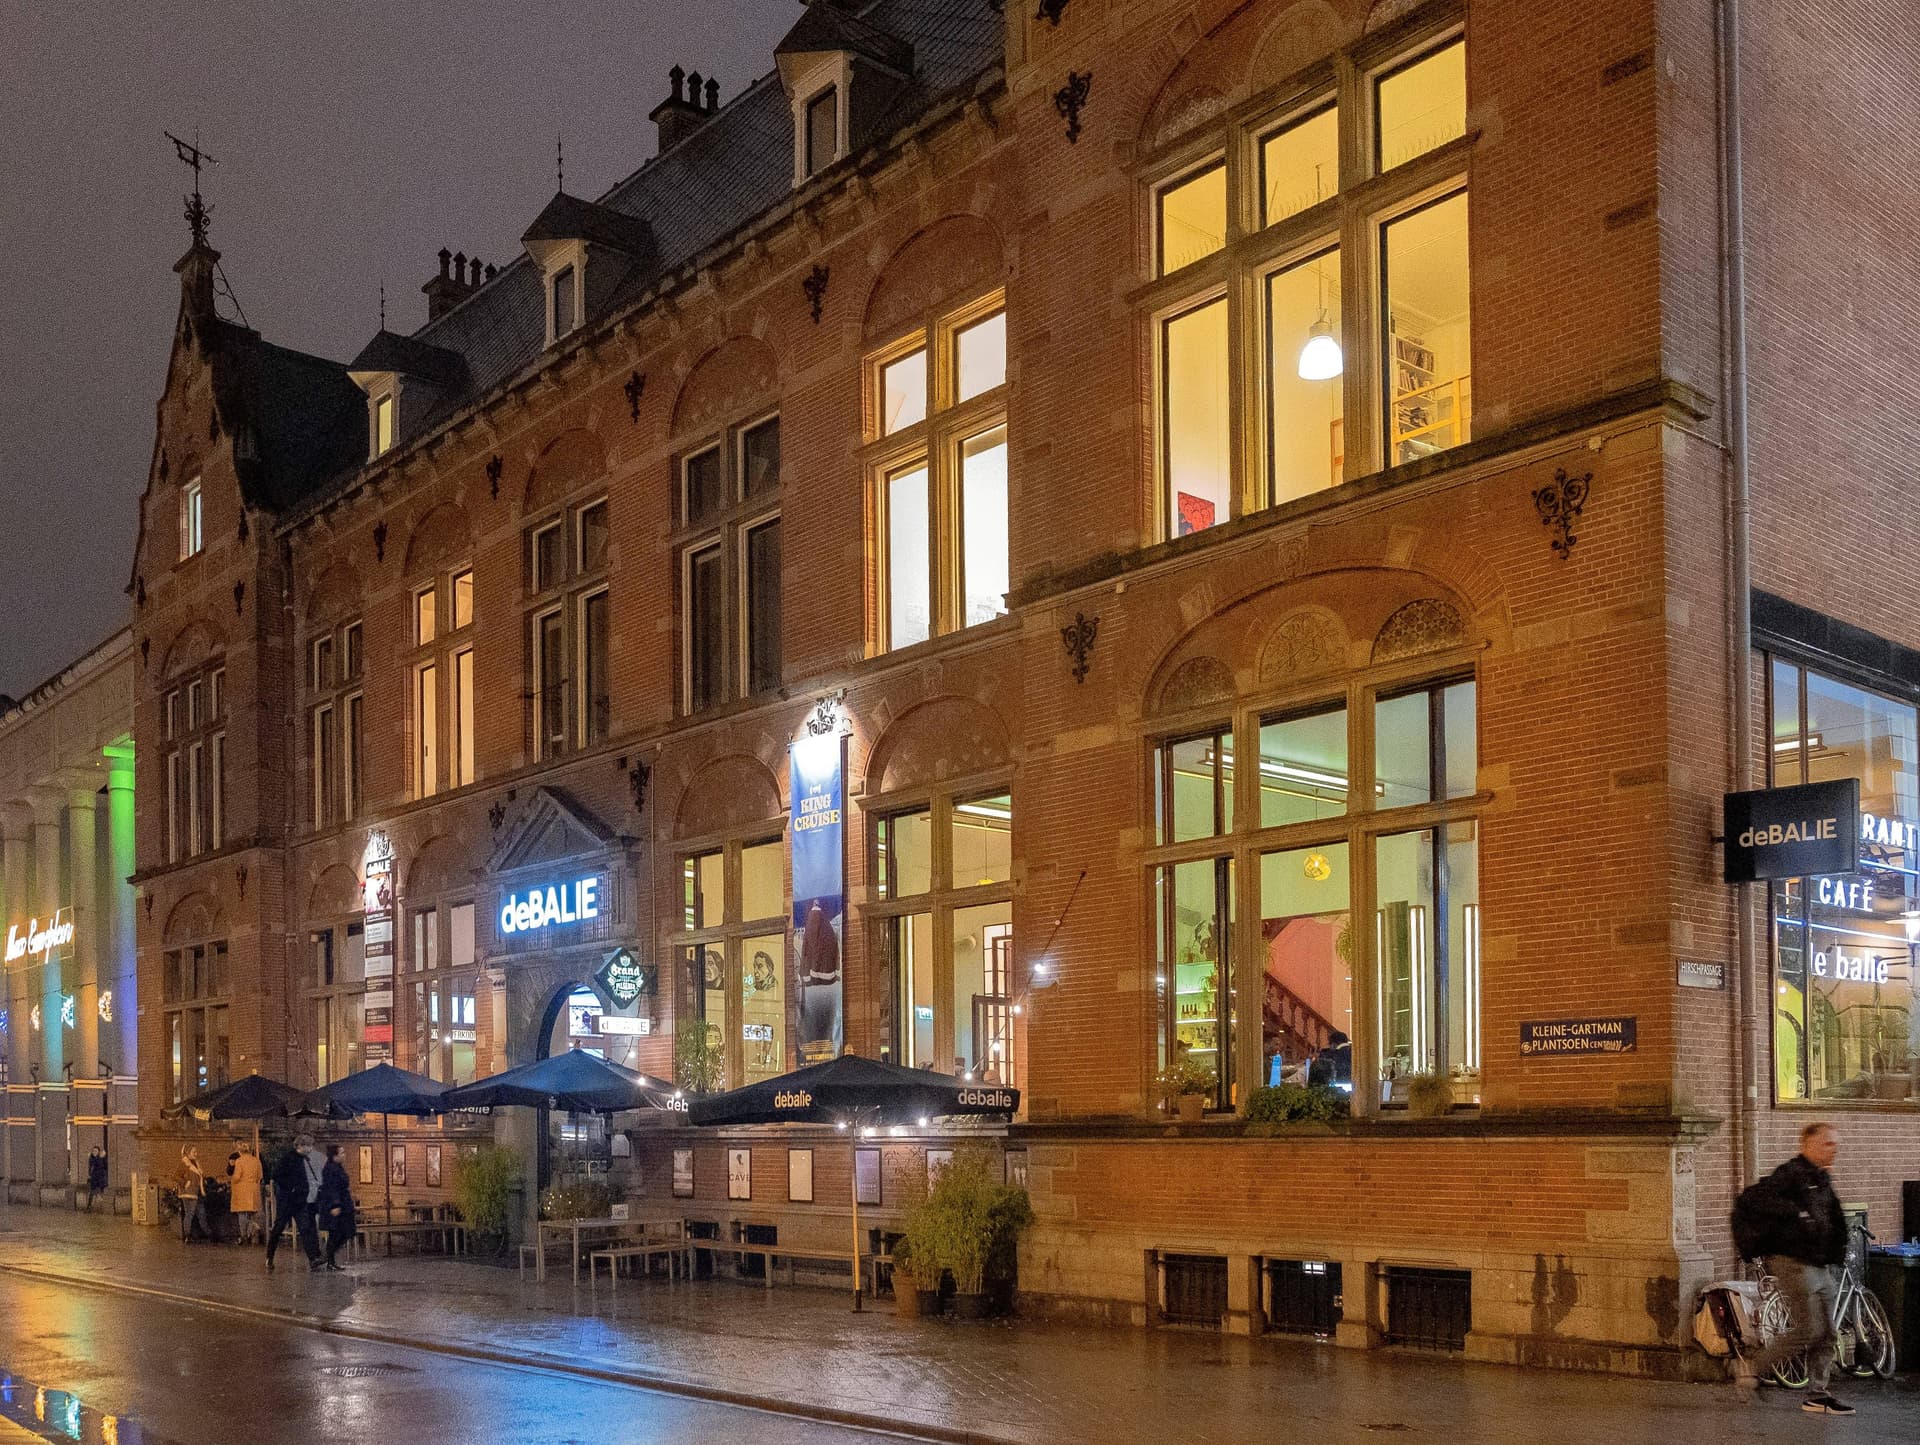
(193, 1197)
(1792, 1219)
(296, 1184)
(96, 1175)
(243, 1175)
(336, 1206)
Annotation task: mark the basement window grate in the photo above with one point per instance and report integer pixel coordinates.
(1429, 1309)
(1195, 1289)
(1303, 1297)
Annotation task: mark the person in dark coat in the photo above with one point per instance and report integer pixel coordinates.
(336, 1205)
(96, 1175)
(1806, 1232)
(293, 1190)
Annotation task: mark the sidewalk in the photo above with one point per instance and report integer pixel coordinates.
(805, 1350)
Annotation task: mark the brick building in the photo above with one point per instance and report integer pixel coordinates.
(67, 1034)
(988, 428)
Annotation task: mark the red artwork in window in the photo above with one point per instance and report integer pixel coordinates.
(1196, 513)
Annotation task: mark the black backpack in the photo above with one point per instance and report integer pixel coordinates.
(1756, 1219)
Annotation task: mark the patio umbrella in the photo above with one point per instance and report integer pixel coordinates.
(576, 1081)
(253, 1098)
(850, 1091)
(383, 1090)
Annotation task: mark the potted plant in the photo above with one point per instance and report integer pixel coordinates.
(699, 1059)
(1186, 1084)
(483, 1192)
(906, 1281)
(1428, 1095)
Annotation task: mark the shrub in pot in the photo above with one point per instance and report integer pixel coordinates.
(483, 1192)
(1428, 1096)
(1185, 1085)
(906, 1282)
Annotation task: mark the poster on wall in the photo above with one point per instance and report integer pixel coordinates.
(819, 887)
(433, 1166)
(866, 1176)
(800, 1176)
(683, 1174)
(397, 1165)
(739, 1174)
(366, 1163)
(937, 1161)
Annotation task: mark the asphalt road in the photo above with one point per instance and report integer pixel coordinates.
(84, 1365)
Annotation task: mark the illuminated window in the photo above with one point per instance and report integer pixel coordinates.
(945, 917)
(194, 764)
(1426, 344)
(1422, 105)
(383, 424)
(1193, 218)
(566, 303)
(732, 945)
(1279, 297)
(1393, 947)
(192, 531)
(442, 705)
(942, 485)
(196, 987)
(569, 630)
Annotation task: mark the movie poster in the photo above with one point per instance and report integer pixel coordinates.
(819, 890)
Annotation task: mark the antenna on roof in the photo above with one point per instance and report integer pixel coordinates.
(560, 159)
(383, 303)
(198, 211)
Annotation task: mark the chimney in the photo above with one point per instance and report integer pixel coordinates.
(453, 285)
(681, 113)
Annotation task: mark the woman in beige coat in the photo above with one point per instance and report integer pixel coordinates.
(245, 1203)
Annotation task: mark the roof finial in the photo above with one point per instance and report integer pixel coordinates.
(383, 304)
(199, 213)
(560, 158)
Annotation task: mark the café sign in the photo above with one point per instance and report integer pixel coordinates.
(621, 979)
(39, 943)
(1798, 832)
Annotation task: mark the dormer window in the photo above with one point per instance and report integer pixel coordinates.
(192, 534)
(382, 438)
(566, 307)
(822, 131)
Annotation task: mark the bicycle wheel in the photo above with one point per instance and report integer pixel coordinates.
(1791, 1372)
(1873, 1349)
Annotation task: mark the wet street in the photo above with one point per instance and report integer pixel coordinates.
(125, 1370)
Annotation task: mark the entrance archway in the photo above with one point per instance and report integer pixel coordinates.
(589, 1147)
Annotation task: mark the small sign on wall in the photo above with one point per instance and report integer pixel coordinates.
(1801, 831)
(739, 1174)
(1565, 1037)
(1702, 973)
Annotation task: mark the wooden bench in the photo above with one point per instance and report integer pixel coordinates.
(677, 1252)
(792, 1254)
(450, 1233)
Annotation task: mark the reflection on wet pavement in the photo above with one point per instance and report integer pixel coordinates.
(60, 1415)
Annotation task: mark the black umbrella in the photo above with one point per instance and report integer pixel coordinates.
(850, 1091)
(577, 1081)
(253, 1098)
(383, 1090)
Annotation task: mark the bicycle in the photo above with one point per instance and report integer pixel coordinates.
(1864, 1345)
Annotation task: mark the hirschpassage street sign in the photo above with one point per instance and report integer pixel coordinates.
(1797, 832)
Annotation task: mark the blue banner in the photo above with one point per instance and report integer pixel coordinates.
(819, 891)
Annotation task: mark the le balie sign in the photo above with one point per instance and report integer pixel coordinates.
(1798, 832)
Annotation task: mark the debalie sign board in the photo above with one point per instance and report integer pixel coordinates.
(819, 889)
(1561, 1037)
(1798, 832)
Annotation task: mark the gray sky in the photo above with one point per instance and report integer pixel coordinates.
(354, 140)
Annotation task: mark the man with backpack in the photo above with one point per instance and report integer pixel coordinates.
(1793, 1221)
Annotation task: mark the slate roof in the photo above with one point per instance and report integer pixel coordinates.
(298, 420)
(568, 218)
(828, 26)
(735, 167)
(390, 351)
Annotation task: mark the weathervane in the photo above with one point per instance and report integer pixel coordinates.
(560, 159)
(198, 211)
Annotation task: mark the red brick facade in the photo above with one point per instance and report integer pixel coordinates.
(1587, 1195)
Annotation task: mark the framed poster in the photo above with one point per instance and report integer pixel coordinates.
(433, 1166)
(739, 1173)
(937, 1160)
(866, 1176)
(683, 1174)
(1016, 1160)
(366, 1163)
(397, 1165)
(800, 1176)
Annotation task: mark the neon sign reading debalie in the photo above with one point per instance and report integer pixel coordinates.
(538, 908)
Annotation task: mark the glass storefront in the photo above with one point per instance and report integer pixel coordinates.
(1845, 945)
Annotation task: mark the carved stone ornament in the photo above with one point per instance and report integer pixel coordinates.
(639, 777)
(239, 597)
(635, 388)
(494, 468)
(1077, 637)
(145, 644)
(1425, 625)
(165, 465)
(240, 877)
(1071, 98)
(1559, 504)
(243, 524)
(816, 288)
(1051, 11)
(139, 592)
(826, 715)
(496, 815)
(380, 540)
